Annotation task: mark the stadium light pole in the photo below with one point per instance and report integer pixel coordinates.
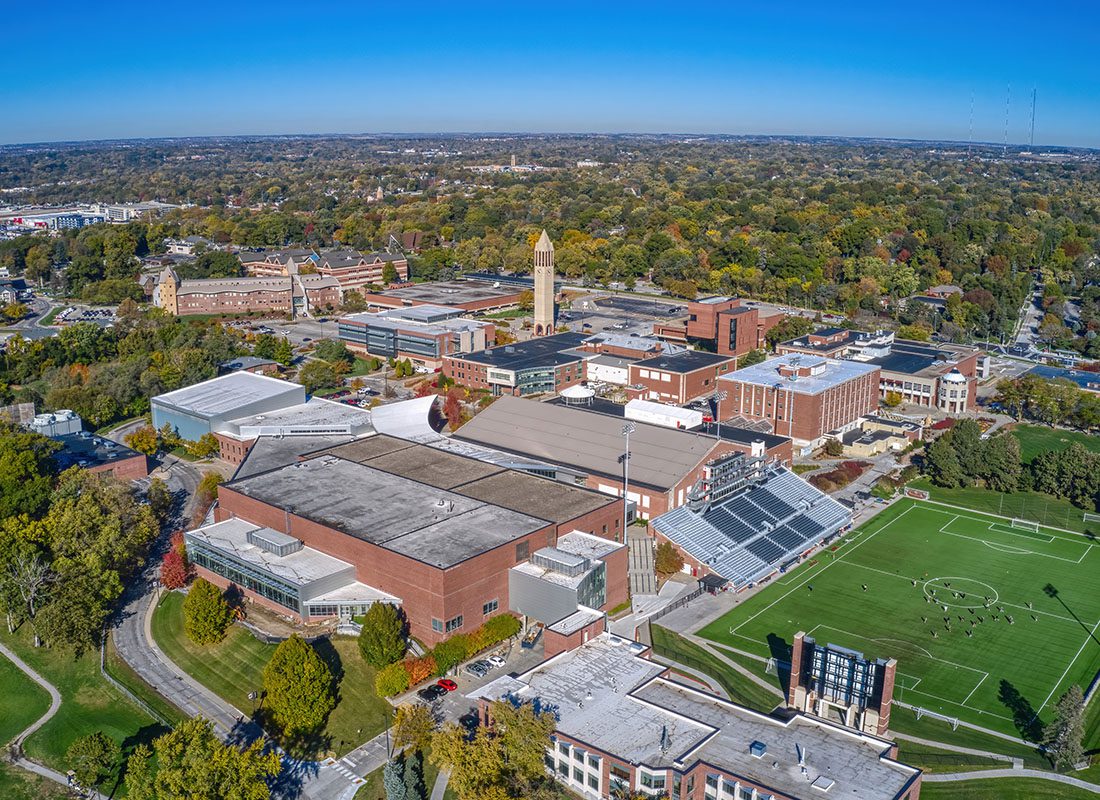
(624, 459)
(718, 396)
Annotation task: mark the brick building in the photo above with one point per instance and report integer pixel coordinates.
(679, 378)
(664, 464)
(96, 454)
(930, 374)
(274, 295)
(625, 726)
(725, 324)
(355, 270)
(433, 531)
(537, 366)
(278, 263)
(803, 397)
(424, 334)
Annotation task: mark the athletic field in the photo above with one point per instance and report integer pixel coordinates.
(1020, 624)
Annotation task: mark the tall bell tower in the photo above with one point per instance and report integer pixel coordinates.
(544, 286)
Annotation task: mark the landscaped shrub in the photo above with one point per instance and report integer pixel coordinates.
(391, 680)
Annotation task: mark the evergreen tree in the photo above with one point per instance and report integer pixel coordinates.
(284, 353)
(1000, 464)
(966, 438)
(206, 615)
(942, 464)
(382, 638)
(298, 687)
(1064, 736)
(414, 777)
(393, 779)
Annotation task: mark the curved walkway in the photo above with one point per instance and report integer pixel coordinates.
(55, 704)
(950, 777)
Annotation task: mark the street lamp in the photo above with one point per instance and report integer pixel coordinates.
(718, 396)
(624, 459)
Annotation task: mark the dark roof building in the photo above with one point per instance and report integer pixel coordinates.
(537, 366)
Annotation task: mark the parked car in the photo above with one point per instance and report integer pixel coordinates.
(447, 684)
(496, 661)
(476, 669)
(429, 694)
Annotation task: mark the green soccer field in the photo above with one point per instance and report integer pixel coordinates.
(883, 589)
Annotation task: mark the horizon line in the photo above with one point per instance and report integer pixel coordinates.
(563, 134)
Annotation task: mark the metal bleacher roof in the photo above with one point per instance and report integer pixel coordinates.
(751, 534)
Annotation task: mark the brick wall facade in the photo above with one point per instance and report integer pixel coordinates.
(125, 469)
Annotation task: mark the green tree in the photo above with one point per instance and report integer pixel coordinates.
(27, 472)
(382, 637)
(942, 464)
(93, 758)
(834, 448)
(284, 353)
(966, 439)
(451, 652)
(334, 352)
(206, 615)
(752, 357)
(789, 328)
(916, 333)
(13, 312)
(144, 440)
(193, 762)
(413, 726)
(389, 273)
(391, 680)
(317, 375)
(205, 447)
(1064, 736)
(669, 560)
(264, 346)
(298, 687)
(1001, 468)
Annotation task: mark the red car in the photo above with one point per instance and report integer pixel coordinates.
(447, 684)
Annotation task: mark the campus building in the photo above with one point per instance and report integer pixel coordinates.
(934, 375)
(678, 378)
(354, 270)
(382, 519)
(800, 396)
(538, 366)
(278, 263)
(471, 296)
(724, 324)
(96, 454)
(625, 725)
(424, 334)
(664, 462)
(298, 294)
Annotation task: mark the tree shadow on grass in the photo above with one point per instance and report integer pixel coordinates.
(1024, 716)
(144, 735)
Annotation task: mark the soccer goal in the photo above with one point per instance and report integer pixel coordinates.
(1090, 517)
(1025, 525)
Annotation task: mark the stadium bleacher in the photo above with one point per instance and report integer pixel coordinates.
(747, 536)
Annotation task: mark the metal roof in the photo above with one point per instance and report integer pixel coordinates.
(573, 437)
(220, 396)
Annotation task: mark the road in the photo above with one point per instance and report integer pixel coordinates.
(29, 327)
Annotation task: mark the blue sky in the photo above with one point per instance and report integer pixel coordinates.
(908, 70)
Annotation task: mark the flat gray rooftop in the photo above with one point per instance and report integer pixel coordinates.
(587, 441)
(609, 697)
(272, 452)
(219, 396)
(453, 293)
(316, 415)
(766, 373)
(431, 525)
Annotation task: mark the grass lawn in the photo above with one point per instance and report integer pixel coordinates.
(511, 313)
(740, 689)
(1001, 676)
(359, 368)
(1035, 439)
(49, 318)
(88, 703)
(234, 667)
(18, 784)
(934, 759)
(1042, 508)
(1003, 789)
(22, 701)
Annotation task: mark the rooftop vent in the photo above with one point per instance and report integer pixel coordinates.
(757, 749)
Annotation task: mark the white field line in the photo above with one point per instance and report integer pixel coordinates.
(1073, 661)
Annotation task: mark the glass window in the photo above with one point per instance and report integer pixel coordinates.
(746, 793)
(594, 761)
(454, 624)
(522, 550)
(594, 781)
(578, 774)
(437, 625)
(563, 748)
(490, 607)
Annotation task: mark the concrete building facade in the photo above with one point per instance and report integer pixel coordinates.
(424, 334)
(544, 286)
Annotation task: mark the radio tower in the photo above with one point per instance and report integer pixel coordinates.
(1008, 104)
(1031, 145)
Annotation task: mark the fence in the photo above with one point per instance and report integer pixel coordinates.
(679, 602)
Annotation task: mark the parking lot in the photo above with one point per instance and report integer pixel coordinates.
(454, 705)
(628, 315)
(72, 314)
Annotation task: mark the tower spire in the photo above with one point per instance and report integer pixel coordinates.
(544, 285)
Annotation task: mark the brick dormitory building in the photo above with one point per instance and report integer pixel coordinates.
(451, 539)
